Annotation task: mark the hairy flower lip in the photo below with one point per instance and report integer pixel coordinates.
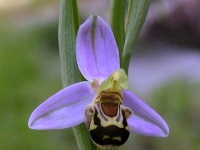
(97, 57)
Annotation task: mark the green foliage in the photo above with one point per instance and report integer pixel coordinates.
(177, 101)
(30, 72)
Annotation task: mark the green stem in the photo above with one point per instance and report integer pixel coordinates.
(67, 38)
(137, 13)
(83, 138)
(68, 27)
(75, 16)
(117, 18)
(130, 8)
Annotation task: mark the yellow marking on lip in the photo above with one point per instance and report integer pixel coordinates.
(105, 137)
(127, 128)
(117, 138)
(110, 120)
(92, 125)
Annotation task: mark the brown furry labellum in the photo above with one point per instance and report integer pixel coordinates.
(106, 120)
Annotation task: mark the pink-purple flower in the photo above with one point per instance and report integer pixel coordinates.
(97, 58)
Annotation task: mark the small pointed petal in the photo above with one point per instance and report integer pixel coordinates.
(96, 49)
(64, 109)
(144, 120)
(119, 76)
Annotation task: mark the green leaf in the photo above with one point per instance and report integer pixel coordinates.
(67, 37)
(68, 27)
(137, 13)
(83, 138)
(117, 19)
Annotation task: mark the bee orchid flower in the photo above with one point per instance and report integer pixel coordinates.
(104, 101)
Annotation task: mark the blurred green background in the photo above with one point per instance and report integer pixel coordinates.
(30, 73)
